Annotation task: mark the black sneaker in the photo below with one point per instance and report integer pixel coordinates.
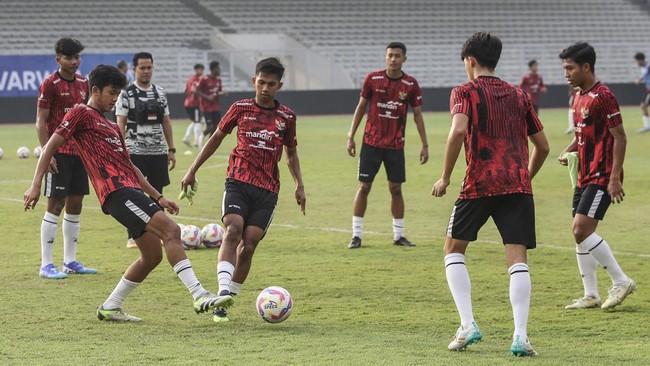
(220, 315)
(355, 243)
(402, 241)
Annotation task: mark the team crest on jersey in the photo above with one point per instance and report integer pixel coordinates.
(585, 113)
(280, 124)
(403, 95)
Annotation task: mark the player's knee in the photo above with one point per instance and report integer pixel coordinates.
(170, 232)
(55, 206)
(395, 189)
(580, 232)
(232, 233)
(364, 188)
(246, 250)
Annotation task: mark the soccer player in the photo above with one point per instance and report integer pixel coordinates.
(143, 116)
(66, 181)
(389, 93)
(264, 127)
(119, 184)
(209, 89)
(533, 84)
(600, 142)
(494, 120)
(192, 107)
(644, 79)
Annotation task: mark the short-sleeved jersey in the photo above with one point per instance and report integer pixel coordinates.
(261, 134)
(143, 138)
(389, 100)
(594, 113)
(59, 95)
(191, 99)
(209, 85)
(101, 148)
(531, 84)
(645, 75)
(501, 117)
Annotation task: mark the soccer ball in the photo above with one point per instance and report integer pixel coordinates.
(274, 304)
(23, 152)
(212, 235)
(190, 237)
(37, 152)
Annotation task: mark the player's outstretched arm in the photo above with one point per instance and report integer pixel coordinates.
(419, 123)
(42, 115)
(356, 121)
(208, 149)
(573, 146)
(540, 152)
(31, 196)
(293, 162)
(615, 186)
(452, 150)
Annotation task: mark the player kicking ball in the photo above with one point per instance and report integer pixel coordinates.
(119, 186)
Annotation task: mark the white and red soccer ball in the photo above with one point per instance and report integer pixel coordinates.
(22, 152)
(190, 237)
(274, 304)
(212, 235)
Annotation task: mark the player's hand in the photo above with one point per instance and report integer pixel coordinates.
(352, 148)
(31, 196)
(53, 168)
(170, 206)
(171, 160)
(563, 160)
(301, 198)
(189, 187)
(615, 190)
(424, 154)
(440, 188)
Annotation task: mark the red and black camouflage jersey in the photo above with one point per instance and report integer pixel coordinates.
(209, 85)
(389, 100)
(594, 113)
(59, 95)
(531, 84)
(101, 148)
(261, 134)
(501, 117)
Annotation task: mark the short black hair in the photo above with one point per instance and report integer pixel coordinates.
(104, 75)
(121, 64)
(639, 56)
(141, 56)
(580, 53)
(68, 47)
(214, 65)
(484, 47)
(199, 66)
(270, 65)
(399, 45)
(531, 63)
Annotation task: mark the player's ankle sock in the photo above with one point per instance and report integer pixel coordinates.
(197, 133)
(599, 248)
(70, 236)
(48, 233)
(185, 272)
(357, 226)
(188, 131)
(234, 288)
(588, 266)
(520, 289)
(398, 228)
(646, 121)
(121, 291)
(460, 287)
(224, 275)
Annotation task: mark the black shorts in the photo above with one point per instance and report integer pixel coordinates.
(513, 214)
(370, 160)
(194, 113)
(256, 205)
(591, 201)
(71, 180)
(154, 168)
(131, 208)
(211, 122)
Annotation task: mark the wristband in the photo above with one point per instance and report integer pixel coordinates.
(158, 199)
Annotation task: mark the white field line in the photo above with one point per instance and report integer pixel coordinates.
(567, 247)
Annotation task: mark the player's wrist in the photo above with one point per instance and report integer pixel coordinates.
(159, 198)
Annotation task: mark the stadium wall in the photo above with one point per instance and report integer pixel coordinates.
(322, 102)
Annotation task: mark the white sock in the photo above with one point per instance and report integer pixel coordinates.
(235, 287)
(588, 266)
(599, 248)
(198, 134)
(646, 121)
(357, 226)
(224, 275)
(520, 289)
(188, 131)
(460, 287)
(185, 272)
(121, 291)
(48, 233)
(571, 124)
(398, 228)
(70, 236)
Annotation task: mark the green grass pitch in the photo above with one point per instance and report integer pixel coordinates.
(378, 305)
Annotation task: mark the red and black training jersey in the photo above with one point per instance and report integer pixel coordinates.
(261, 134)
(594, 113)
(531, 84)
(209, 85)
(501, 117)
(191, 99)
(59, 95)
(389, 100)
(101, 148)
